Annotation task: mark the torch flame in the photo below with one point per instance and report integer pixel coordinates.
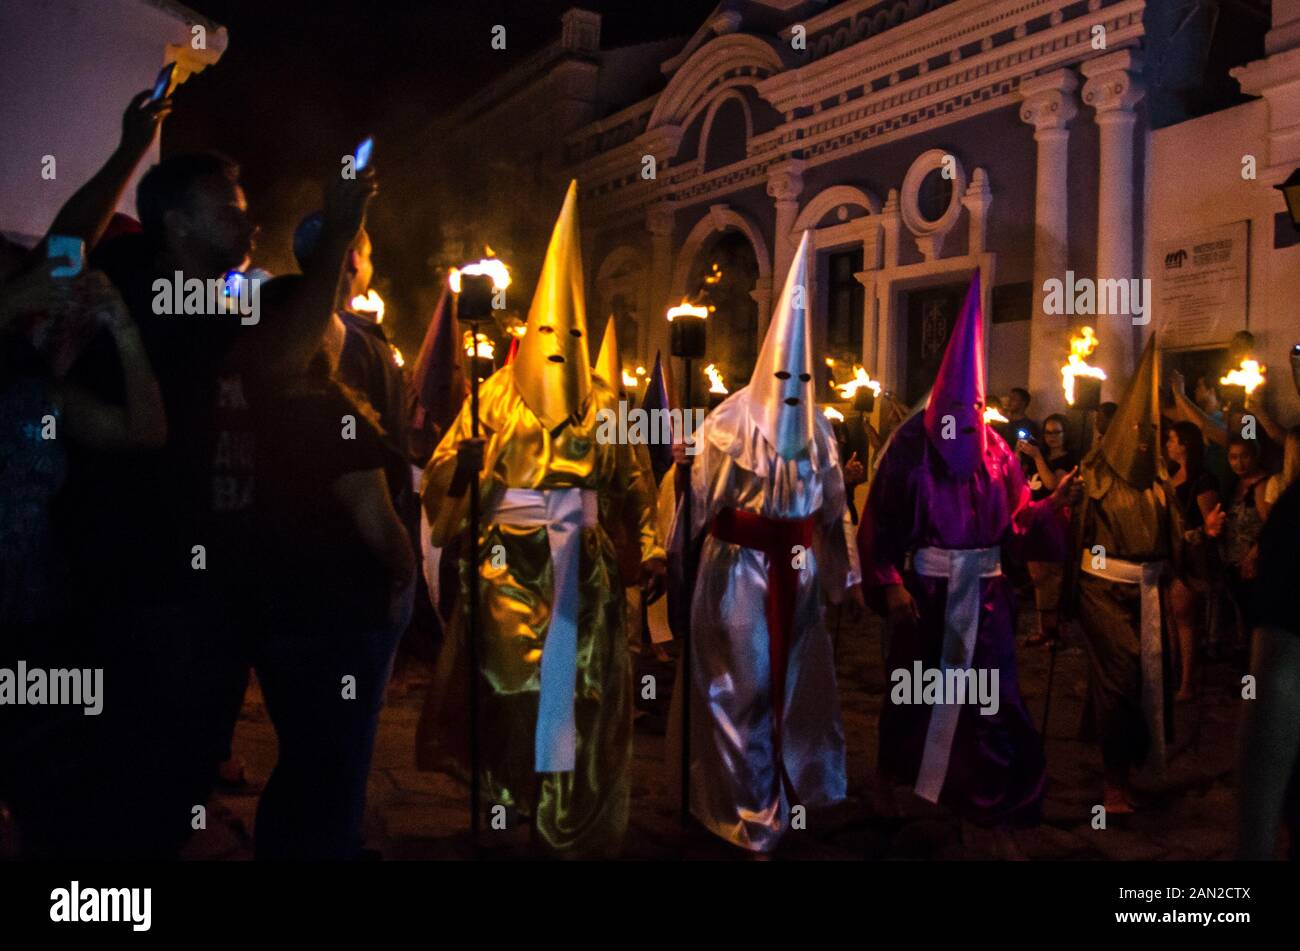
(860, 379)
(494, 268)
(715, 379)
(369, 303)
(1081, 347)
(485, 347)
(629, 379)
(1249, 375)
(397, 357)
(993, 415)
(834, 415)
(687, 309)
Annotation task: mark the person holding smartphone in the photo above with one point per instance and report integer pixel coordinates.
(1046, 542)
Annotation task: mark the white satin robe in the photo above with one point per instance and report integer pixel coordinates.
(736, 792)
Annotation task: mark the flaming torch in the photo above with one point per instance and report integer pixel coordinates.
(994, 415)
(1240, 383)
(716, 383)
(1082, 382)
(862, 389)
(688, 323)
(368, 303)
(687, 330)
(717, 388)
(476, 289)
(831, 413)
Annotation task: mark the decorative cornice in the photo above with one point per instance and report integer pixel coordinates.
(737, 54)
(969, 85)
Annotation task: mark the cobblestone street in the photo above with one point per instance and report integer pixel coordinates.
(1189, 814)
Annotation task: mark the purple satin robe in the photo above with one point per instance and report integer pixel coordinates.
(996, 771)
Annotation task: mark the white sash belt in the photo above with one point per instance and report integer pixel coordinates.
(564, 513)
(1147, 576)
(963, 568)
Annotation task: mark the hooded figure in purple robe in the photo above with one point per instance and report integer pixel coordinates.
(947, 495)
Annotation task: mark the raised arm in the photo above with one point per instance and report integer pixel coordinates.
(289, 342)
(86, 214)
(1190, 412)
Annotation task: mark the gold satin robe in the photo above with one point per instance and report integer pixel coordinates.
(583, 813)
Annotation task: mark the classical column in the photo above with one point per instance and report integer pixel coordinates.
(659, 222)
(872, 240)
(1049, 105)
(1113, 90)
(784, 185)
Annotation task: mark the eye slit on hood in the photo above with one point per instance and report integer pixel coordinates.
(575, 331)
(792, 401)
(555, 358)
(546, 329)
(782, 375)
(805, 377)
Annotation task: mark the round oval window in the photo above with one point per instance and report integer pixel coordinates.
(934, 195)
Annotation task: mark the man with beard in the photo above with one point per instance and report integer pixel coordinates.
(161, 569)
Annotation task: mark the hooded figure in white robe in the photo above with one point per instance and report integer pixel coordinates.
(768, 502)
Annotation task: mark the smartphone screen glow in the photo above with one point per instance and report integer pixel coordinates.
(363, 152)
(163, 81)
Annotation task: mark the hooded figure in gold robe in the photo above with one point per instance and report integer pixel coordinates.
(1130, 534)
(556, 678)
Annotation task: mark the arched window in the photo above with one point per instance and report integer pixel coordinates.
(727, 134)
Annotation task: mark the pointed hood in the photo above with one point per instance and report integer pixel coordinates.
(1132, 442)
(958, 391)
(608, 366)
(781, 391)
(438, 379)
(552, 369)
(656, 398)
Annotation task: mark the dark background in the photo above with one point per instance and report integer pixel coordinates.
(302, 81)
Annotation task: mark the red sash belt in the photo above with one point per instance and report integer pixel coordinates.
(776, 538)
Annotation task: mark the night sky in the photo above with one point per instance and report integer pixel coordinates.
(302, 81)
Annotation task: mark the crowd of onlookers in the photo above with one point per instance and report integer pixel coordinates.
(185, 497)
(1217, 453)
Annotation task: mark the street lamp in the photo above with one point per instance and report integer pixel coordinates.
(1290, 190)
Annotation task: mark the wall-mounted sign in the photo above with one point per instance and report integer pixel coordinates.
(1201, 286)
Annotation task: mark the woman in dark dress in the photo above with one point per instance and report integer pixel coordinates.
(1196, 493)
